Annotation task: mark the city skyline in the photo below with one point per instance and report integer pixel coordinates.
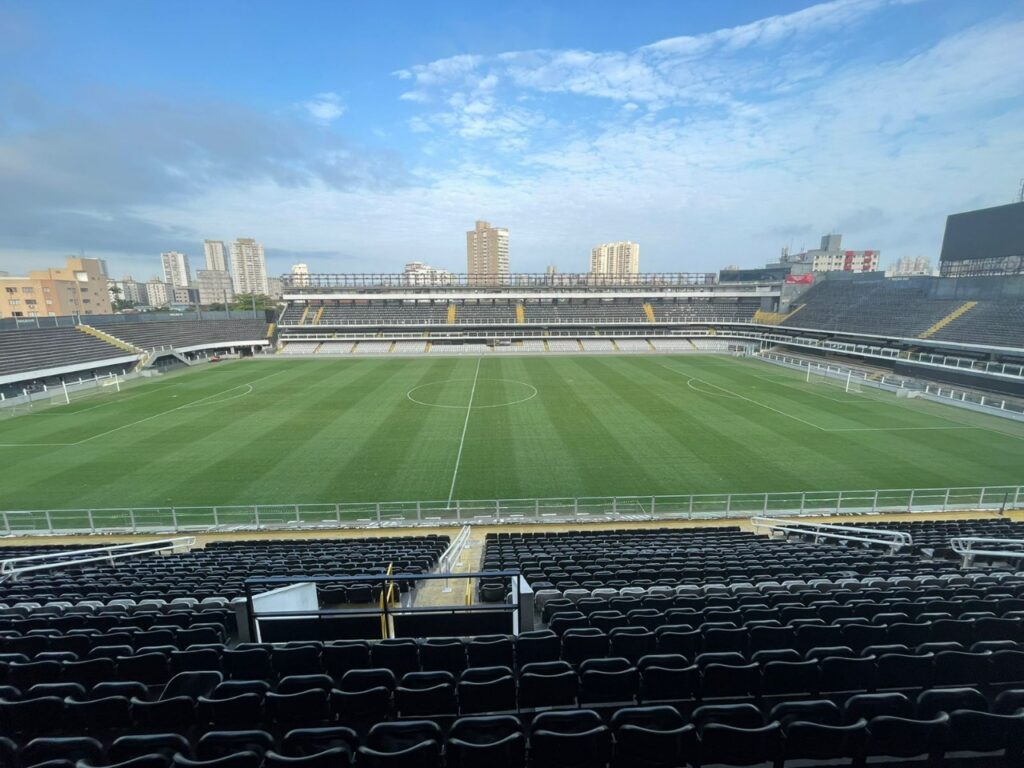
(711, 133)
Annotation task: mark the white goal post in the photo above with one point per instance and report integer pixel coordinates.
(849, 380)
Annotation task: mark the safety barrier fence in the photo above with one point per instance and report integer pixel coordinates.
(393, 514)
(904, 385)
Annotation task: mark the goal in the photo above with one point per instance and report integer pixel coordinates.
(849, 380)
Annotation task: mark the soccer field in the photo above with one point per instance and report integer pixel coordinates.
(344, 430)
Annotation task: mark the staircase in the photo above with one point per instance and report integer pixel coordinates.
(963, 309)
(520, 314)
(319, 314)
(104, 336)
(775, 318)
(305, 311)
(649, 312)
(451, 314)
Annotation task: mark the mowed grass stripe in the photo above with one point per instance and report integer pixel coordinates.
(340, 430)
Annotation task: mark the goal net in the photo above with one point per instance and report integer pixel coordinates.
(848, 380)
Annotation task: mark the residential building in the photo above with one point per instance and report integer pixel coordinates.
(911, 266)
(622, 258)
(215, 286)
(78, 288)
(831, 257)
(300, 275)
(215, 258)
(187, 296)
(126, 290)
(133, 291)
(275, 287)
(487, 254)
(418, 273)
(846, 261)
(159, 293)
(176, 269)
(249, 266)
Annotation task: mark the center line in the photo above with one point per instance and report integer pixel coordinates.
(465, 425)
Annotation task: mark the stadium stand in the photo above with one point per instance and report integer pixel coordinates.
(670, 647)
(563, 345)
(691, 310)
(878, 307)
(188, 333)
(1000, 323)
(585, 310)
(300, 347)
(32, 349)
(409, 347)
(501, 312)
(633, 345)
(372, 348)
(673, 345)
(385, 313)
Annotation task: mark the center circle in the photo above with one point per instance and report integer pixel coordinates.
(433, 394)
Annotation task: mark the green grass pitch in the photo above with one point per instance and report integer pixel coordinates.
(379, 429)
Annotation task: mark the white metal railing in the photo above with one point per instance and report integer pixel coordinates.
(977, 401)
(990, 547)
(451, 555)
(459, 512)
(14, 567)
(894, 540)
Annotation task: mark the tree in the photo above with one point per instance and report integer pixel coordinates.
(116, 302)
(246, 300)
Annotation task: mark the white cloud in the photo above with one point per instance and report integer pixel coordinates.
(695, 69)
(324, 108)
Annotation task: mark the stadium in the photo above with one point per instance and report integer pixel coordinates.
(528, 520)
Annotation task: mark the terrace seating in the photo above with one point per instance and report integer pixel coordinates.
(36, 349)
(1000, 323)
(662, 648)
(154, 586)
(883, 307)
(187, 333)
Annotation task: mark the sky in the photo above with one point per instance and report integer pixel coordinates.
(358, 136)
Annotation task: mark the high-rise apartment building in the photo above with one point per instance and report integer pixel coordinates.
(249, 266)
(487, 254)
(831, 257)
(176, 270)
(78, 288)
(215, 286)
(418, 273)
(215, 258)
(159, 293)
(127, 290)
(300, 275)
(621, 258)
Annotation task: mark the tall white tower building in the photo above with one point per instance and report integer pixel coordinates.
(621, 258)
(215, 258)
(176, 271)
(249, 266)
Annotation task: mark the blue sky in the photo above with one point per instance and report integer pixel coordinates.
(357, 136)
